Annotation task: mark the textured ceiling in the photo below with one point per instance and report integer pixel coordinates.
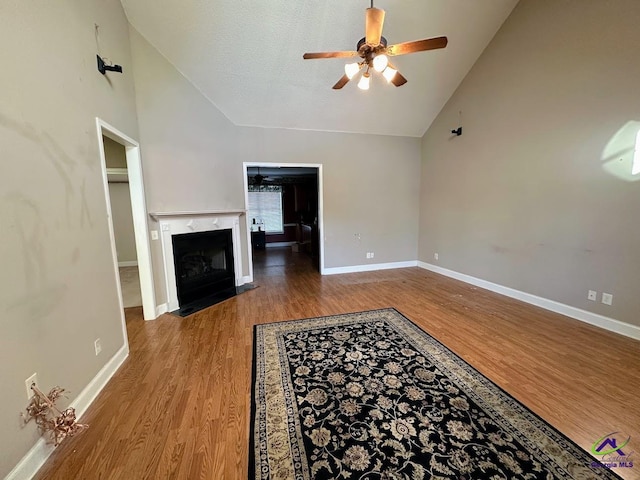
(246, 57)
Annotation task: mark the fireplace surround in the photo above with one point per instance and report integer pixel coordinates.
(177, 226)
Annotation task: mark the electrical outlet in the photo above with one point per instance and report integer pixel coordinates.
(373, 254)
(98, 346)
(607, 298)
(154, 234)
(32, 380)
(593, 295)
(435, 256)
(369, 255)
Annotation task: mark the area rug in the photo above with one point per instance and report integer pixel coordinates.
(371, 396)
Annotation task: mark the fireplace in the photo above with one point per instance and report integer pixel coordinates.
(204, 265)
(213, 260)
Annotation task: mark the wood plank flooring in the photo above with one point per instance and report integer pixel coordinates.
(179, 406)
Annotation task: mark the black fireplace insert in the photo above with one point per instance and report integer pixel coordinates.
(204, 267)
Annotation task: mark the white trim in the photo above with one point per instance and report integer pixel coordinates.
(321, 231)
(129, 263)
(29, 465)
(159, 215)
(601, 321)
(139, 214)
(162, 308)
(368, 268)
(249, 250)
(95, 386)
(279, 244)
(247, 279)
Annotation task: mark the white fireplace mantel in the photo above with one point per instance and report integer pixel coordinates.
(177, 223)
(161, 215)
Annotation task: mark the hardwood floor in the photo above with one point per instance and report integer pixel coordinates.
(179, 406)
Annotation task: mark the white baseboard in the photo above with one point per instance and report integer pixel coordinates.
(130, 263)
(367, 268)
(247, 279)
(29, 465)
(601, 321)
(32, 461)
(279, 244)
(91, 391)
(160, 309)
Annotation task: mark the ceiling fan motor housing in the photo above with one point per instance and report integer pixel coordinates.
(368, 52)
(363, 41)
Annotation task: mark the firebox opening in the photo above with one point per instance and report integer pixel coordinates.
(204, 269)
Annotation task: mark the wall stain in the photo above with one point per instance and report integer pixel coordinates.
(31, 232)
(41, 295)
(37, 303)
(62, 162)
(499, 249)
(26, 220)
(84, 206)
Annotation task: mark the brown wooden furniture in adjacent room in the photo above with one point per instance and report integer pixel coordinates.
(258, 240)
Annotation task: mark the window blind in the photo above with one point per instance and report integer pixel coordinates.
(265, 206)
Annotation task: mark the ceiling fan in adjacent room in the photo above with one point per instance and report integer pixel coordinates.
(375, 53)
(258, 179)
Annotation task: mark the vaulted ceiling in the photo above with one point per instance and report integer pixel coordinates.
(246, 57)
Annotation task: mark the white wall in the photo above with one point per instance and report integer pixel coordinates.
(120, 196)
(58, 288)
(193, 161)
(537, 194)
(122, 218)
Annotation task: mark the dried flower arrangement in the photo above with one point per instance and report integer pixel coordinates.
(59, 424)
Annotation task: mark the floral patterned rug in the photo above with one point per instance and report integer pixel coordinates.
(371, 396)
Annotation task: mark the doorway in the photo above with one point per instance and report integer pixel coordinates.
(129, 169)
(284, 214)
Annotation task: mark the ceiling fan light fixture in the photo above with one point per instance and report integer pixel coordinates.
(380, 62)
(363, 84)
(350, 69)
(389, 73)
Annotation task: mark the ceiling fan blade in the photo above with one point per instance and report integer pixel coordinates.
(417, 46)
(310, 56)
(373, 25)
(398, 79)
(341, 83)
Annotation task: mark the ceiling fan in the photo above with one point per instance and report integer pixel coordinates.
(258, 179)
(374, 52)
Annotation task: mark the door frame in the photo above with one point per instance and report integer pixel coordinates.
(318, 166)
(139, 213)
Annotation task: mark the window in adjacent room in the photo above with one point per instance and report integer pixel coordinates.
(265, 206)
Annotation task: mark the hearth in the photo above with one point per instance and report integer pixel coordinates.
(203, 265)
